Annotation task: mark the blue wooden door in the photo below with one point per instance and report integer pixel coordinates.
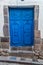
(21, 21)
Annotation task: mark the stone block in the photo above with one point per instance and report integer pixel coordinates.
(22, 48)
(42, 45)
(22, 55)
(37, 47)
(36, 24)
(5, 11)
(4, 39)
(37, 34)
(5, 30)
(5, 45)
(37, 40)
(36, 12)
(6, 19)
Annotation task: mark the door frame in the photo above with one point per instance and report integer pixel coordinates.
(36, 8)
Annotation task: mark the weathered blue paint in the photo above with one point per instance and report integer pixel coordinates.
(21, 21)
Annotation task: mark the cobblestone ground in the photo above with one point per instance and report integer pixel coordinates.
(9, 63)
(3, 63)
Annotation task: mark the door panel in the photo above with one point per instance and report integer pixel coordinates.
(21, 21)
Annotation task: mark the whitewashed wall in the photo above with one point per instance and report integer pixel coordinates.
(19, 3)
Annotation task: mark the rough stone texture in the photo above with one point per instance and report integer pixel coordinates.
(6, 19)
(5, 10)
(22, 48)
(29, 55)
(5, 45)
(5, 30)
(5, 27)
(37, 34)
(37, 41)
(37, 47)
(36, 12)
(41, 44)
(36, 16)
(36, 24)
(4, 39)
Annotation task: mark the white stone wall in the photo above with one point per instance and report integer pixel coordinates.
(23, 3)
